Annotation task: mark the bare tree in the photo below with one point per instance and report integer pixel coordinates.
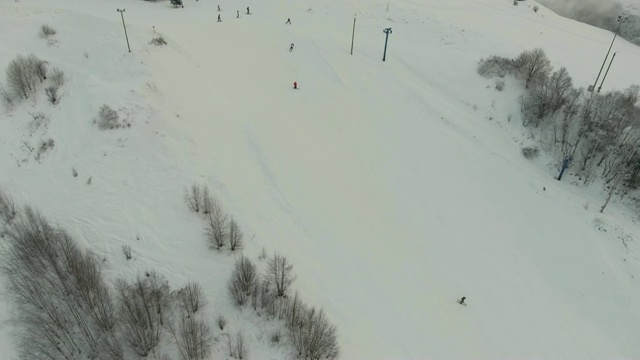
(315, 337)
(221, 322)
(207, 200)
(193, 337)
(38, 67)
(192, 197)
(235, 235)
(191, 298)
(280, 274)
(20, 77)
(52, 94)
(126, 249)
(242, 280)
(7, 208)
(57, 77)
(532, 65)
(240, 346)
(217, 229)
(141, 309)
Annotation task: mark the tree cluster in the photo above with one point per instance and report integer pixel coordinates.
(65, 310)
(597, 133)
(310, 333)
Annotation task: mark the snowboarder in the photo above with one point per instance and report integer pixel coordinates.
(219, 19)
(288, 21)
(461, 301)
(237, 14)
(295, 85)
(291, 47)
(248, 10)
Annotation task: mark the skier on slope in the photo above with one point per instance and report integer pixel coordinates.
(291, 47)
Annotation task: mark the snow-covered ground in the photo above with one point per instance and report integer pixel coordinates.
(394, 187)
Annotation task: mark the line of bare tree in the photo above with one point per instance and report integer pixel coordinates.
(595, 134)
(221, 229)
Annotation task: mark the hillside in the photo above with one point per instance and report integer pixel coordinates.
(393, 187)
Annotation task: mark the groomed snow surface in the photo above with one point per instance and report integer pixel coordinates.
(393, 187)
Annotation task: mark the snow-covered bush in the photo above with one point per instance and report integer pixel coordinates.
(108, 118)
(46, 31)
(530, 152)
(158, 41)
(495, 66)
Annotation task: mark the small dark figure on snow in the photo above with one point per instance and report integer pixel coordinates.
(461, 301)
(237, 14)
(218, 8)
(248, 10)
(219, 18)
(291, 47)
(288, 21)
(295, 85)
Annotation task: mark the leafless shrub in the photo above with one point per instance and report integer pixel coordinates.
(499, 85)
(221, 322)
(74, 172)
(235, 235)
(530, 152)
(45, 145)
(192, 197)
(280, 274)
(57, 77)
(143, 307)
(158, 41)
(126, 249)
(217, 229)
(495, 66)
(7, 208)
(89, 180)
(52, 94)
(263, 254)
(191, 298)
(316, 338)
(242, 280)
(46, 31)
(108, 119)
(193, 337)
